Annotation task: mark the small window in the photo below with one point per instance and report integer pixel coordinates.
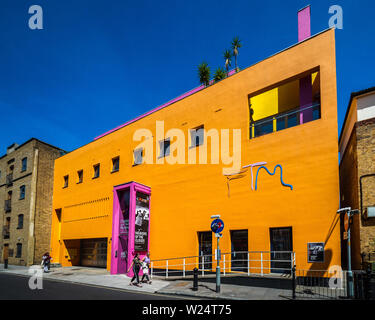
(138, 156)
(197, 136)
(19, 250)
(115, 164)
(66, 181)
(22, 192)
(96, 171)
(165, 147)
(80, 176)
(24, 164)
(20, 221)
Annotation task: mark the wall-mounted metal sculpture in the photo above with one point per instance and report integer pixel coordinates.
(274, 171)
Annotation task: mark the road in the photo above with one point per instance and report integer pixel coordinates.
(15, 287)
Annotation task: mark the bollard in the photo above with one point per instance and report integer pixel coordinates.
(294, 282)
(195, 279)
(5, 263)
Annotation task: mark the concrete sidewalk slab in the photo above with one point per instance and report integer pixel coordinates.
(227, 292)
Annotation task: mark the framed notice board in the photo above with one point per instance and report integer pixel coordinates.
(315, 252)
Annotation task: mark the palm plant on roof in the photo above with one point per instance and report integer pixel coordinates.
(204, 74)
(228, 59)
(220, 74)
(236, 44)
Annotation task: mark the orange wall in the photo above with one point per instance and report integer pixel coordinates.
(183, 197)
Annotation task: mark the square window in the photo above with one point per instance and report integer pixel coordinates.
(197, 136)
(138, 156)
(80, 176)
(96, 171)
(22, 192)
(164, 147)
(24, 164)
(115, 164)
(66, 181)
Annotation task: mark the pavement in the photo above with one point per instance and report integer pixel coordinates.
(240, 288)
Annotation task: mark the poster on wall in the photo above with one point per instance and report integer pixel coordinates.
(142, 218)
(315, 252)
(124, 216)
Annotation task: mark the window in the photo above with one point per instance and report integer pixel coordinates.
(288, 104)
(138, 156)
(20, 221)
(197, 136)
(6, 229)
(22, 192)
(239, 248)
(281, 241)
(116, 164)
(24, 164)
(80, 176)
(164, 147)
(19, 250)
(96, 171)
(205, 249)
(66, 181)
(8, 202)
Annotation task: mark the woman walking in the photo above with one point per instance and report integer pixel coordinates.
(46, 261)
(145, 267)
(136, 264)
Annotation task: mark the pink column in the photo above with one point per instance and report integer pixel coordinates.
(306, 99)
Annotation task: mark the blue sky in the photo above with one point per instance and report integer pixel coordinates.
(97, 64)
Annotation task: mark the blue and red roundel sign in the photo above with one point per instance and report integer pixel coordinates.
(217, 225)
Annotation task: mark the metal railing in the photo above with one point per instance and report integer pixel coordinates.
(240, 262)
(8, 206)
(285, 120)
(319, 284)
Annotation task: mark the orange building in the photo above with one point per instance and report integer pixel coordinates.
(279, 115)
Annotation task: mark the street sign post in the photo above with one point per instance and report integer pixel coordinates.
(217, 226)
(348, 214)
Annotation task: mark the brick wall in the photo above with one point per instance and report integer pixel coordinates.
(43, 209)
(366, 165)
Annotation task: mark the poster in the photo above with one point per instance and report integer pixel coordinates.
(315, 252)
(142, 218)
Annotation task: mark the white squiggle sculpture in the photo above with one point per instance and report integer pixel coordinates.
(251, 166)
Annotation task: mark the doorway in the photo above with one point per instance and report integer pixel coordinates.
(94, 252)
(130, 225)
(239, 249)
(281, 250)
(205, 250)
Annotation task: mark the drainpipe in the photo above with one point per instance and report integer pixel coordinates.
(31, 237)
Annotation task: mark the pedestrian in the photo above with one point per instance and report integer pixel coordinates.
(145, 267)
(46, 262)
(136, 264)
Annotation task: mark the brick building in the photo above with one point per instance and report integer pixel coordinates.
(357, 175)
(26, 185)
